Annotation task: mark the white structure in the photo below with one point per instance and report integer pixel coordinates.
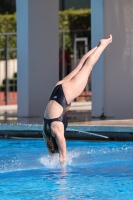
(37, 30)
(97, 32)
(12, 68)
(112, 77)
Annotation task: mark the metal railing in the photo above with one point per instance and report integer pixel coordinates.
(8, 69)
(69, 56)
(74, 34)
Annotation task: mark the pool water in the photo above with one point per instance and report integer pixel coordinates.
(95, 170)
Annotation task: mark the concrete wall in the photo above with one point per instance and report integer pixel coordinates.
(112, 77)
(37, 40)
(97, 32)
(118, 63)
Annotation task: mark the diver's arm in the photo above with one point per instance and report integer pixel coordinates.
(58, 132)
(60, 139)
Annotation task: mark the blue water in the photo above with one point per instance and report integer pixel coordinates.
(95, 170)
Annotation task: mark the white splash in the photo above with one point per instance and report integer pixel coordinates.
(50, 161)
(53, 161)
(71, 155)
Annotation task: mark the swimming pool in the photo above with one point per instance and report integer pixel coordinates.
(95, 170)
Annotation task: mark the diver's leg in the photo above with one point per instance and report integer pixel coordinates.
(76, 85)
(79, 66)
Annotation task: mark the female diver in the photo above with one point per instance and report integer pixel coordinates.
(64, 92)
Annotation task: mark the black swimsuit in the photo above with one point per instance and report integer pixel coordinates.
(58, 96)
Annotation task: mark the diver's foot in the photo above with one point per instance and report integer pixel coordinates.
(106, 41)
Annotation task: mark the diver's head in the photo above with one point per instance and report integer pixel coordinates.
(52, 145)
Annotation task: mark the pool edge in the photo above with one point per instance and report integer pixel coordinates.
(91, 132)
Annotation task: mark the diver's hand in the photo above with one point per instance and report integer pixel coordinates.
(63, 162)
